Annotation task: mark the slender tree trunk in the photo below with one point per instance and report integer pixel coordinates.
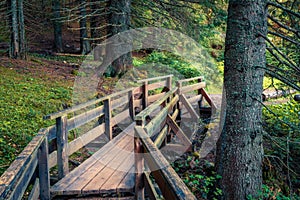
(239, 149)
(84, 44)
(120, 21)
(22, 42)
(14, 42)
(57, 26)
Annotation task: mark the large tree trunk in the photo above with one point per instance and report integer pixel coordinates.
(239, 149)
(57, 26)
(119, 21)
(84, 43)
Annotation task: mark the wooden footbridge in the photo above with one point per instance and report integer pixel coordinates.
(130, 165)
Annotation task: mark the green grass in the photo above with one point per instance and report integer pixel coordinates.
(24, 100)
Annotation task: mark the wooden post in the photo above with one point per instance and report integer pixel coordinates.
(44, 176)
(145, 94)
(169, 83)
(131, 104)
(62, 146)
(179, 91)
(107, 116)
(200, 93)
(139, 168)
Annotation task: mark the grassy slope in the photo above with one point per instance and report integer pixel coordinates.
(24, 99)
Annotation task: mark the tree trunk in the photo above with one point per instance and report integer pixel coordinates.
(14, 42)
(119, 21)
(239, 149)
(84, 44)
(57, 26)
(22, 42)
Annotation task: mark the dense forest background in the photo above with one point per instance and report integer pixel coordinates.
(42, 44)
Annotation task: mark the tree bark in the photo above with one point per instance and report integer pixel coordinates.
(119, 21)
(57, 26)
(84, 44)
(22, 42)
(14, 42)
(239, 149)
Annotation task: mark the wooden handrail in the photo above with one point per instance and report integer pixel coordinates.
(191, 79)
(153, 79)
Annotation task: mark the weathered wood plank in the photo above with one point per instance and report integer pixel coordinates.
(156, 85)
(44, 176)
(85, 117)
(128, 183)
(142, 115)
(155, 97)
(116, 158)
(149, 187)
(84, 105)
(116, 103)
(161, 137)
(152, 126)
(194, 99)
(193, 87)
(169, 182)
(190, 79)
(131, 106)
(189, 107)
(101, 157)
(145, 95)
(154, 78)
(62, 146)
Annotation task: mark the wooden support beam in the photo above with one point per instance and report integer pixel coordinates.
(165, 176)
(131, 106)
(62, 146)
(145, 94)
(107, 116)
(139, 168)
(150, 189)
(179, 133)
(209, 101)
(44, 176)
(189, 107)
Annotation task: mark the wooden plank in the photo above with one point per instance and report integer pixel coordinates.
(142, 115)
(86, 138)
(156, 85)
(190, 79)
(35, 192)
(44, 176)
(78, 174)
(120, 117)
(128, 181)
(169, 182)
(107, 116)
(62, 146)
(119, 102)
(154, 78)
(152, 126)
(169, 83)
(131, 106)
(84, 105)
(115, 158)
(189, 107)
(193, 87)
(155, 97)
(84, 118)
(179, 133)
(209, 101)
(111, 185)
(161, 136)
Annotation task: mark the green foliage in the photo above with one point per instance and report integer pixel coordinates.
(269, 193)
(24, 101)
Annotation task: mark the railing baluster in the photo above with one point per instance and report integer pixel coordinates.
(145, 94)
(131, 104)
(107, 116)
(44, 177)
(62, 146)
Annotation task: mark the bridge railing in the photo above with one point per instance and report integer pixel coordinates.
(50, 147)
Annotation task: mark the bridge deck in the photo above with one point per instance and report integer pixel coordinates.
(109, 170)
